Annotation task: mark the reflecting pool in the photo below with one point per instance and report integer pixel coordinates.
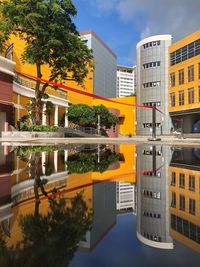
(99, 205)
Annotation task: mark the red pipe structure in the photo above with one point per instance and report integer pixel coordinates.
(84, 93)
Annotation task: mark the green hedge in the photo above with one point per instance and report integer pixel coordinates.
(38, 128)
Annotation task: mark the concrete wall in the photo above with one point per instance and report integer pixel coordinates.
(158, 75)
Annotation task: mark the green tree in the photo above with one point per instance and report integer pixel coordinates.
(85, 115)
(107, 119)
(84, 162)
(51, 38)
(81, 114)
(49, 239)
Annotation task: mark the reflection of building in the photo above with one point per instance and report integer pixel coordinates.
(126, 197)
(184, 173)
(126, 79)
(152, 83)
(104, 218)
(6, 166)
(152, 196)
(184, 88)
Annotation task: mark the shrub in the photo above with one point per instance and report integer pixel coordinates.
(38, 128)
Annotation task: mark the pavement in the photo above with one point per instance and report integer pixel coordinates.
(139, 140)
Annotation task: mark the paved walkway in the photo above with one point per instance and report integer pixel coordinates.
(165, 140)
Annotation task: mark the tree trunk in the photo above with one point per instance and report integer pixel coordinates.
(38, 97)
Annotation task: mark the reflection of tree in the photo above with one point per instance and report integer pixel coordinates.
(50, 239)
(90, 162)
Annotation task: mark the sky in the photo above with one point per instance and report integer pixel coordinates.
(121, 24)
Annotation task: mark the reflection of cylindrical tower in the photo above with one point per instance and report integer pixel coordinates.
(152, 83)
(152, 196)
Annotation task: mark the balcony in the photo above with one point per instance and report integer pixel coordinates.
(7, 66)
(50, 90)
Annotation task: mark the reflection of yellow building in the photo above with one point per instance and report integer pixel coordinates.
(68, 184)
(184, 198)
(184, 81)
(126, 171)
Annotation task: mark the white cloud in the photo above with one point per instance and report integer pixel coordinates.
(176, 17)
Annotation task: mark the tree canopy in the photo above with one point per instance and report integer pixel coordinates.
(51, 38)
(84, 162)
(49, 239)
(87, 116)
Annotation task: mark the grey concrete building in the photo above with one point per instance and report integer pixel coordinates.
(152, 84)
(105, 62)
(152, 196)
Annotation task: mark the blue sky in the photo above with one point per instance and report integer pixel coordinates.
(122, 23)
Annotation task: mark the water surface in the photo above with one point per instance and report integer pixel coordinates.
(99, 205)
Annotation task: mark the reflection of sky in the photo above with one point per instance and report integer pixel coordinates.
(120, 248)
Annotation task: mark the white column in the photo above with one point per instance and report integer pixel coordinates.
(66, 118)
(65, 158)
(56, 116)
(43, 162)
(17, 167)
(56, 161)
(44, 115)
(18, 107)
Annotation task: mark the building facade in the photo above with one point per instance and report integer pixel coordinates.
(126, 81)
(104, 78)
(184, 83)
(6, 92)
(152, 84)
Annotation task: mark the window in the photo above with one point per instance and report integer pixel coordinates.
(191, 182)
(190, 95)
(181, 98)
(150, 44)
(172, 99)
(181, 76)
(172, 79)
(191, 73)
(182, 180)
(192, 206)
(151, 84)
(182, 54)
(182, 202)
(151, 64)
(173, 202)
(173, 181)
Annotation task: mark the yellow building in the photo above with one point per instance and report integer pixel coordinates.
(184, 83)
(23, 91)
(127, 114)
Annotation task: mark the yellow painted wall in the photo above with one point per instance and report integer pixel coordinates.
(184, 65)
(128, 125)
(74, 98)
